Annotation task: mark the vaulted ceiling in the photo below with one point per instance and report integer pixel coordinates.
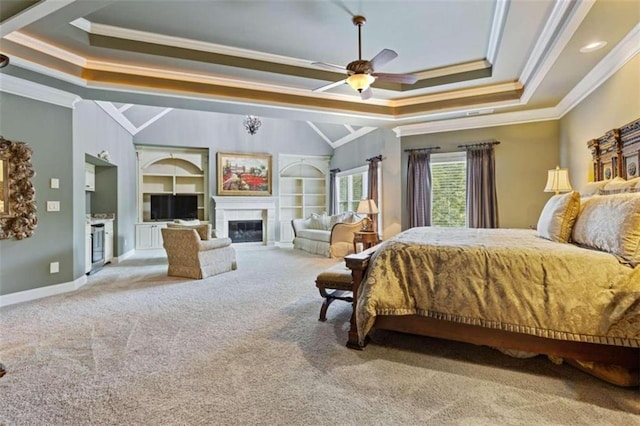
(475, 61)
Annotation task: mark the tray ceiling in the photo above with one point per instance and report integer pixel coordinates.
(471, 57)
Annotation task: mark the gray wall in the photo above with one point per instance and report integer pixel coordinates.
(525, 153)
(95, 131)
(47, 128)
(354, 154)
(226, 133)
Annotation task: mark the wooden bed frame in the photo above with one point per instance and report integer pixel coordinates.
(616, 151)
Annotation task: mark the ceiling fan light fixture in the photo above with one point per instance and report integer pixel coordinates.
(360, 82)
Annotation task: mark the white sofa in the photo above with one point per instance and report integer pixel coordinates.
(330, 236)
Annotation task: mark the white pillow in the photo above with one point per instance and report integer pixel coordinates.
(558, 216)
(187, 222)
(319, 221)
(615, 184)
(336, 218)
(611, 223)
(592, 188)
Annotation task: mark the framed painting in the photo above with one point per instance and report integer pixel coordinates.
(244, 174)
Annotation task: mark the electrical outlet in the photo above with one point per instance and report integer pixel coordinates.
(53, 206)
(54, 267)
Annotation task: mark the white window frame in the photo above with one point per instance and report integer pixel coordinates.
(363, 170)
(365, 183)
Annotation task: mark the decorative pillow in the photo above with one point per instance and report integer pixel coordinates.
(351, 217)
(319, 221)
(592, 188)
(558, 216)
(614, 184)
(187, 222)
(336, 218)
(620, 186)
(611, 223)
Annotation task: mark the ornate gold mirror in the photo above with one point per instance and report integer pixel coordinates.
(17, 196)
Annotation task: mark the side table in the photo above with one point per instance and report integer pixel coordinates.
(366, 238)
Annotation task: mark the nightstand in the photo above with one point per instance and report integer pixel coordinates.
(367, 239)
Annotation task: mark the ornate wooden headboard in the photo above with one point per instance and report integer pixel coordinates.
(617, 153)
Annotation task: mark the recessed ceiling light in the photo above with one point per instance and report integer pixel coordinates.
(592, 47)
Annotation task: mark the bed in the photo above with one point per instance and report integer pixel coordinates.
(569, 290)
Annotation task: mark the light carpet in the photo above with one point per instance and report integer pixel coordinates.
(137, 347)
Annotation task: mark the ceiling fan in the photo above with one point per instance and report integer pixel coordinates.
(362, 73)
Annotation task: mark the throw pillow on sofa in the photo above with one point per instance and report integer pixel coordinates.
(319, 221)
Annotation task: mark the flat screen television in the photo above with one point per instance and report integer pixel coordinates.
(170, 207)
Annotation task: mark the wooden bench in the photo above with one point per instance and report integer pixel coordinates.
(338, 279)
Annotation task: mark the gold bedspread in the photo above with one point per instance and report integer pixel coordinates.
(507, 279)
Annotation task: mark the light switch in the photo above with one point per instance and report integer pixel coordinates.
(53, 206)
(55, 183)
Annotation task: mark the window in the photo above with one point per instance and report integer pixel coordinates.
(352, 187)
(449, 189)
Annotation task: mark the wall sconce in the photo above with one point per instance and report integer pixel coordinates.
(558, 181)
(252, 124)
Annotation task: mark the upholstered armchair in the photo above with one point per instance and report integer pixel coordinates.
(194, 255)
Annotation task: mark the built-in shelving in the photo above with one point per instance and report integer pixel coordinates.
(170, 171)
(303, 182)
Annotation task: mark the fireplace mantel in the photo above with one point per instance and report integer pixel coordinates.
(245, 208)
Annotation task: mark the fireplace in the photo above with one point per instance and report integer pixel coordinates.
(229, 209)
(245, 231)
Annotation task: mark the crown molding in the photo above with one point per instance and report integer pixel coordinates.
(36, 91)
(31, 15)
(622, 53)
(477, 122)
(184, 43)
(458, 94)
(33, 43)
(497, 28)
(565, 19)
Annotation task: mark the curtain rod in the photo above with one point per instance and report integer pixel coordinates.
(377, 157)
(334, 170)
(429, 148)
(479, 144)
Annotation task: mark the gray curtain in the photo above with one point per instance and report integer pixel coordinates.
(482, 201)
(333, 196)
(373, 186)
(419, 188)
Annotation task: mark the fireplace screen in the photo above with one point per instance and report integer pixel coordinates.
(245, 231)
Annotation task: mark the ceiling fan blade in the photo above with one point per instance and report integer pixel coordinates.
(385, 56)
(330, 86)
(396, 78)
(366, 94)
(329, 67)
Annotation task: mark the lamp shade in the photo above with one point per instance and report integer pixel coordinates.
(367, 207)
(558, 181)
(360, 82)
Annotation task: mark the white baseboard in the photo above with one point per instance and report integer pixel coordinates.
(39, 293)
